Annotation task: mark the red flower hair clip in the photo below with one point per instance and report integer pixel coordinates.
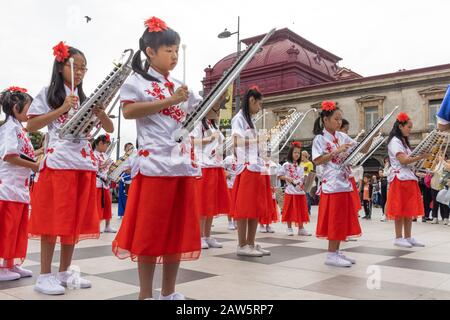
(61, 52)
(328, 106)
(155, 24)
(107, 138)
(297, 144)
(402, 117)
(17, 89)
(254, 87)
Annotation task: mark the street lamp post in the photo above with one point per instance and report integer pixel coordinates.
(227, 34)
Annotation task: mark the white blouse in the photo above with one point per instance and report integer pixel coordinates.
(295, 172)
(246, 154)
(402, 172)
(104, 163)
(62, 154)
(14, 180)
(233, 168)
(333, 178)
(159, 154)
(209, 155)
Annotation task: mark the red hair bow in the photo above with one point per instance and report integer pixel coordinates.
(61, 52)
(402, 117)
(17, 89)
(297, 144)
(107, 138)
(155, 25)
(255, 87)
(328, 106)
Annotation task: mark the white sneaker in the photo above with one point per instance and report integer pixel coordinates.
(173, 296)
(48, 284)
(415, 243)
(290, 232)
(231, 226)
(24, 273)
(73, 280)
(260, 249)
(213, 243)
(303, 232)
(435, 221)
(383, 218)
(401, 242)
(262, 229)
(204, 244)
(351, 260)
(247, 251)
(269, 229)
(333, 259)
(445, 222)
(8, 275)
(110, 230)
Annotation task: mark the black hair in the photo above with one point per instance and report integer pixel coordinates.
(101, 138)
(152, 40)
(246, 104)
(56, 93)
(10, 99)
(344, 123)
(127, 144)
(319, 123)
(396, 132)
(290, 155)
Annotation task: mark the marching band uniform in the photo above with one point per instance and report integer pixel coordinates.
(64, 196)
(14, 200)
(104, 200)
(403, 184)
(161, 221)
(214, 198)
(338, 208)
(295, 207)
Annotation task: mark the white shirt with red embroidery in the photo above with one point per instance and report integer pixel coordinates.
(334, 179)
(14, 180)
(402, 172)
(209, 155)
(233, 168)
(295, 172)
(159, 154)
(103, 166)
(247, 154)
(62, 154)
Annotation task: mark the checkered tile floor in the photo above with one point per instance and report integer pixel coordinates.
(295, 270)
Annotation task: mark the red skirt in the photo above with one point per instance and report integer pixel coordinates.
(213, 191)
(295, 209)
(104, 204)
(273, 218)
(355, 193)
(252, 196)
(64, 205)
(13, 233)
(161, 222)
(404, 200)
(338, 217)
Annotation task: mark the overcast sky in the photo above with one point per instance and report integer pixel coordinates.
(372, 37)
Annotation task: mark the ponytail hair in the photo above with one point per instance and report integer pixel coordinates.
(319, 123)
(13, 97)
(257, 95)
(153, 40)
